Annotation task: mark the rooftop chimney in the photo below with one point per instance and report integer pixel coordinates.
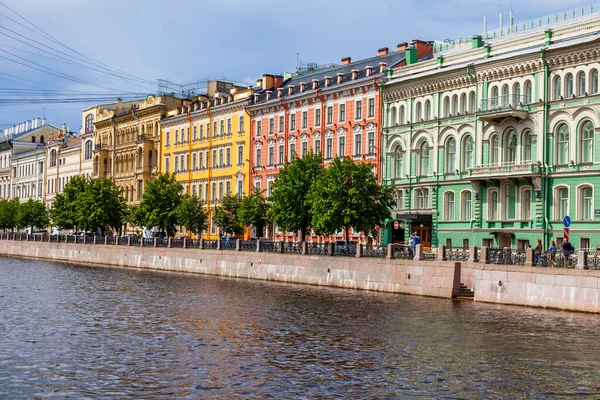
(401, 46)
(383, 51)
(346, 60)
(259, 83)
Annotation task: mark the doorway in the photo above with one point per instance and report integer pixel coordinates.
(504, 240)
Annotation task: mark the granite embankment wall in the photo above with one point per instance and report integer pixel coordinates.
(567, 289)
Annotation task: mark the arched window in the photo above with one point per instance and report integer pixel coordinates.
(562, 148)
(89, 124)
(419, 112)
(594, 81)
(569, 85)
(516, 97)
(423, 159)
(447, 106)
(587, 142)
(393, 117)
(398, 162)
(586, 201)
(493, 205)
(526, 146)
(450, 155)
(150, 159)
(526, 204)
(562, 209)
(472, 102)
(449, 206)
(495, 95)
(528, 92)
(427, 110)
(141, 159)
(468, 153)
(510, 201)
(581, 89)
(466, 202)
(42, 139)
(401, 114)
(557, 88)
(463, 103)
(455, 104)
(53, 158)
(494, 150)
(505, 101)
(88, 150)
(510, 147)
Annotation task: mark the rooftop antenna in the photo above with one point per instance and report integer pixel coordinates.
(297, 60)
(500, 16)
(484, 19)
(512, 17)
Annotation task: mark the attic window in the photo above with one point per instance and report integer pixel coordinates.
(279, 92)
(327, 81)
(302, 87)
(354, 74)
(382, 67)
(340, 78)
(368, 70)
(268, 95)
(315, 84)
(290, 90)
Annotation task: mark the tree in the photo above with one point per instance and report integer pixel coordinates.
(159, 204)
(289, 203)
(226, 216)
(32, 213)
(192, 215)
(64, 211)
(348, 195)
(100, 206)
(253, 211)
(8, 213)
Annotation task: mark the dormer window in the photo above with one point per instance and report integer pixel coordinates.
(268, 95)
(327, 81)
(368, 70)
(382, 67)
(290, 90)
(280, 92)
(302, 87)
(256, 97)
(354, 74)
(315, 84)
(340, 78)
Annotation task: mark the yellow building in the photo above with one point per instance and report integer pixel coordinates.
(206, 145)
(127, 143)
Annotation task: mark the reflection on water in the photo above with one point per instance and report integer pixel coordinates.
(78, 331)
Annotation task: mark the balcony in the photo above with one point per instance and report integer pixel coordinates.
(496, 109)
(142, 138)
(505, 170)
(100, 147)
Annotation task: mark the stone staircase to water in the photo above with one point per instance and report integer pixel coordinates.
(465, 293)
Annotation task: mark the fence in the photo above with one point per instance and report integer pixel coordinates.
(488, 255)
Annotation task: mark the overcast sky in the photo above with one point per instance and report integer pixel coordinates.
(194, 40)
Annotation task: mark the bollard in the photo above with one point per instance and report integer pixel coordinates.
(359, 250)
(201, 245)
(419, 253)
(169, 242)
(105, 240)
(282, 246)
(581, 260)
(155, 241)
(128, 240)
(185, 243)
(473, 254)
(442, 253)
(258, 245)
(237, 245)
(390, 251)
(219, 247)
(484, 255)
(529, 257)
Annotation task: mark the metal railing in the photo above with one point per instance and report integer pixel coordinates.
(374, 251)
(344, 249)
(210, 244)
(177, 243)
(457, 254)
(228, 244)
(498, 103)
(270, 247)
(316, 249)
(248, 245)
(402, 252)
(292, 247)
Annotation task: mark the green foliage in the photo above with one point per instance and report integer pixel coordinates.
(100, 206)
(348, 195)
(159, 204)
(290, 206)
(192, 215)
(8, 213)
(226, 216)
(32, 213)
(64, 207)
(253, 211)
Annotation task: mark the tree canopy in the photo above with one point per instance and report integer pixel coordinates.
(32, 213)
(159, 204)
(100, 206)
(347, 195)
(8, 213)
(253, 211)
(289, 202)
(192, 215)
(225, 216)
(64, 207)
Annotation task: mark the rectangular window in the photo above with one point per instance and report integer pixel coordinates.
(271, 155)
(228, 125)
(271, 126)
(214, 159)
(228, 156)
(292, 151)
(206, 192)
(194, 160)
(317, 146)
(293, 122)
(241, 124)
(584, 244)
(280, 154)
(193, 190)
(329, 115)
(371, 110)
(281, 123)
(214, 133)
(342, 146)
(187, 136)
(227, 188)
(201, 161)
(526, 204)
(222, 131)
(140, 189)
(304, 119)
(358, 144)
(176, 163)
(240, 188)
(240, 154)
(214, 191)
(195, 133)
(342, 113)
(258, 162)
(317, 117)
(358, 110)
(176, 136)
(220, 190)
(328, 148)
(167, 138)
(371, 144)
(201, 132)
(304, 148)
(221, 163)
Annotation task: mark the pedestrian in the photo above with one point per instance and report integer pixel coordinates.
(552, 251)
(411, 245)
(568, 249)
(538, 251)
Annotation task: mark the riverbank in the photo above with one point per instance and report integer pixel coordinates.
(565, 289)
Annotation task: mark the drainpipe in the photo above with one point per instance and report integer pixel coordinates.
(114, 145)
(286, 119)
(209, 161)
(249, 150)
(474, 80)
(322, 99)
(187, 116)
(379, 138)
(544, 157)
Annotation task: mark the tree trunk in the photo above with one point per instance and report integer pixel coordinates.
(346, 234)
(301, 235)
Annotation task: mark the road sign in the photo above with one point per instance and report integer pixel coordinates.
(396, 224)
(567, 221)
(566, 234)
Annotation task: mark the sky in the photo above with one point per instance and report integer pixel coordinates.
(89, 51)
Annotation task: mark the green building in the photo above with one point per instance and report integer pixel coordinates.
(493, 141)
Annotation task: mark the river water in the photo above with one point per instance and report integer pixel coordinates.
(78, 331)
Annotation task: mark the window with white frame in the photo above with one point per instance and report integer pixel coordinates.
(280, 152)
(468, 153)
(455, 104)
(423, 158)
(450, 155)
(422, 199)
(402, 115)
(581, 88)
(393, 116)
(466, 202)
(317, 117)
(419, 112)
(528, 92)
(281, 123)
(271, 155)
(398, 162)
(258, 155)
(562, 148)
(342, 112)
(271, 126)
(358, 110)
(472, 102)
(329, 148)
(427, 109)
(463, 103)
(292, 121)
(494, 150)
(240, 156)
(229, 131)
(240, 123)
(586, 203)
(493, 205)
(557, 88)
(371, 108)
(342, 146)
(222, 125)
(304, 119)
(258, 128)
(329, 115)
(358, 141)
(317, 144)
(569, 89)
(594, 81)
(526, 204)
(562, 203)
(449, 206)
(446, 106)
(526, 148)
(510, 201)
(304, 149)
(587, 142)
(399, 195)
(510, 147)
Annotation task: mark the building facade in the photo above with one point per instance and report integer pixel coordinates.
(495, 143)
(127, 143)
(334, 112)
(205, 143)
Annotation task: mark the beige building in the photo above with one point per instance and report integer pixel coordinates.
(127, 143)
(64, 158)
